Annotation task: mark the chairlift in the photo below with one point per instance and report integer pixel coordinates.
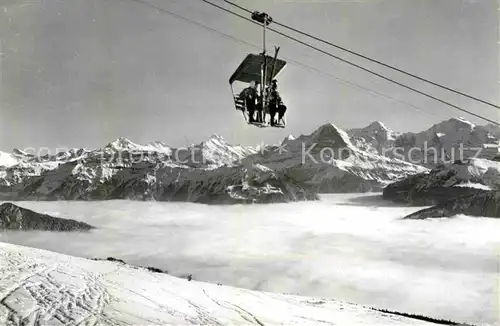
(260, 68)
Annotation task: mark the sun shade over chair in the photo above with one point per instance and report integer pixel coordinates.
(250, 69)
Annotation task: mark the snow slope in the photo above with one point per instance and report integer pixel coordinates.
(7, 159)
(40, 287)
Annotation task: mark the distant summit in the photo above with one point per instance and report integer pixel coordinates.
(121, 144)
(329, 135)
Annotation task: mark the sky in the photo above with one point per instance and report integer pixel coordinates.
(82, 73)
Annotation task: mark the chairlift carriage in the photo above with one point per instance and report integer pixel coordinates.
(260, 68)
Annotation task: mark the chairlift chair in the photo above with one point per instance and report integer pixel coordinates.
(251, 70)
(258, 67)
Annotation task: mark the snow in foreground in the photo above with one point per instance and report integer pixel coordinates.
(352, 248)
(41, 287)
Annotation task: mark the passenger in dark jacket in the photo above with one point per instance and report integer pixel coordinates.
(275, 103)
(249, 95)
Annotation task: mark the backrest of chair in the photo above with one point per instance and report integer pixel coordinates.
(239, 103)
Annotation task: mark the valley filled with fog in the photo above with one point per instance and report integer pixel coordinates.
(354, 248)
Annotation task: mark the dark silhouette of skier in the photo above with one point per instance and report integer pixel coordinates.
(249, 95)
(276, 105)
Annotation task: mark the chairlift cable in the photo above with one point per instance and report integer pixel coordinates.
(371, 59)
(356, 65)
(297, 63)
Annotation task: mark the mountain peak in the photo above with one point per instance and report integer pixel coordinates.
(122, 143)
(329, 134)
(288, 138)
(460, 122)
(215, 139)
(216, 136)
(378, 124)
(376, 132)
(451, 126)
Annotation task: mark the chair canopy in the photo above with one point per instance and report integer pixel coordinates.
(249, 69)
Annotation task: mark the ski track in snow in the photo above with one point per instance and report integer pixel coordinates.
(39, 293)
(38, 287)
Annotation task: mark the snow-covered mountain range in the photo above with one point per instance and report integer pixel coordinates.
(445, 142)
(470, 187)
(38, 287)
(446, 182)
(214, 171)
(210, 172)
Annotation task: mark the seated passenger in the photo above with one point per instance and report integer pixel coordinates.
(275, 102)
(249, 95)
